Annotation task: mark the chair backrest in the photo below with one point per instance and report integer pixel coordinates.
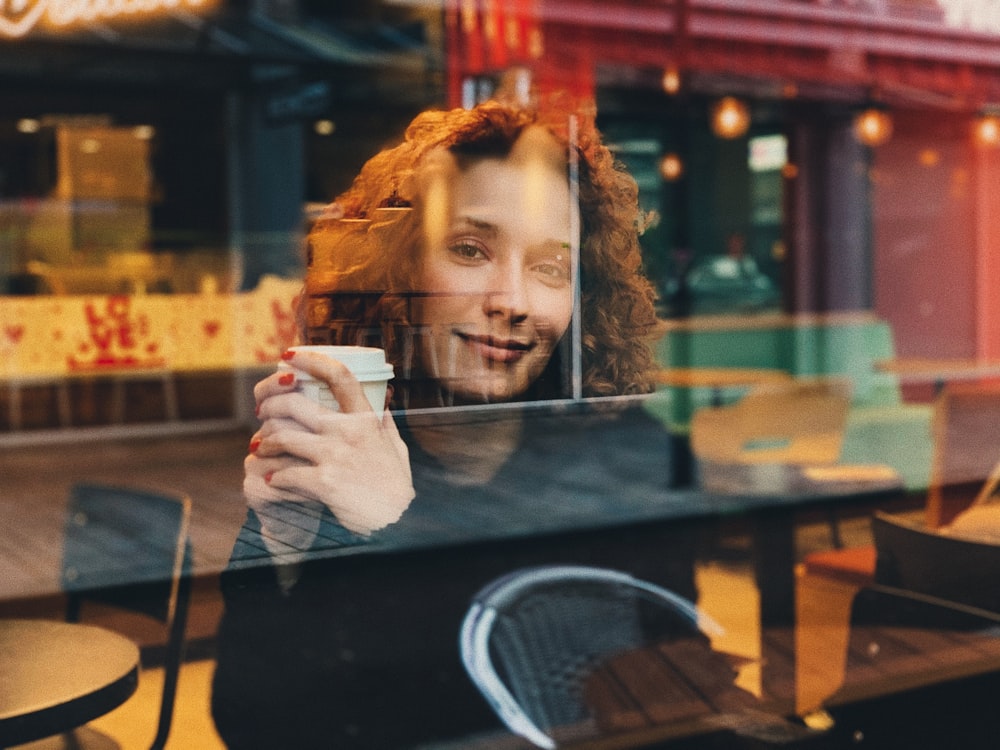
(533, 640)
(930, 562)
(129, 548)
(966, 447)
(801, 422)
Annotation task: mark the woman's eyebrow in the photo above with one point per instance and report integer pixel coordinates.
(557, 244)
(481, 225)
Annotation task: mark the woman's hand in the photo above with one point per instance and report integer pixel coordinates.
(353, 460)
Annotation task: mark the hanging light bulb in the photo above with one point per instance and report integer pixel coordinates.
(671, 167)
(730, 117)
(987, 130)
(873, 127)
(671, 80)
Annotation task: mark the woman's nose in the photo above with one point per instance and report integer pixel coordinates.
(508, 296)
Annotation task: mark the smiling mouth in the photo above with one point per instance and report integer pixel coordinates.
(494, 349)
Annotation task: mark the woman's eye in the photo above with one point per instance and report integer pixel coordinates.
(467, 250)
(553, 272)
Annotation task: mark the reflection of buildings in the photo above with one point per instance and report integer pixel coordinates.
(171, 150)
(170, 157)
(903, 228)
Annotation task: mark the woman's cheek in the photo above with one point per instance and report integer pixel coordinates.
(553, 309)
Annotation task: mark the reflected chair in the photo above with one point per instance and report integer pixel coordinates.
(936, 563)
(566, 653)
(128, 548)
(800, 422)
(966, 443)
(966, 447)
(780, 438)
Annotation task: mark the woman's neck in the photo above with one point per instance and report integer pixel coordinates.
(472, 452)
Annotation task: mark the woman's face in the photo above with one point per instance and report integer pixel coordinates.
(499, 270)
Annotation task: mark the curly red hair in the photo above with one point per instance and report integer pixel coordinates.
(378, 256)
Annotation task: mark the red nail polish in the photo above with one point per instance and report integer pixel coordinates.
(287, 354)
(267, 477)
(287, 379)
(254, 445)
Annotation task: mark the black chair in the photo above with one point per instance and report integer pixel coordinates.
(129, 548)
(565, 653)
(931, 562)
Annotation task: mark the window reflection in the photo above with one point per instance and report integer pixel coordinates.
(791, 418)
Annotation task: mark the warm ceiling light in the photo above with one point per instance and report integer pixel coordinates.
(324, 127)
(671, 81)
(987, 130)
(730, 118)
(929, 157)
(28, 125)
(144, 132)
(671, 167)
(873, 127)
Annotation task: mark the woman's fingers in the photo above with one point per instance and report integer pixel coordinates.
(360, 506)
(358, 467)
(343, 385)
(259, 472)
(274, 384)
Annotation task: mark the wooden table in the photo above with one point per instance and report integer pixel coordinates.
(718, 378)
(57, 676)
(938, 371)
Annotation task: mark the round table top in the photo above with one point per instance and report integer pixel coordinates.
(60, 675)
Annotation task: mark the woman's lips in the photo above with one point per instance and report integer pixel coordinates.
(493, 349)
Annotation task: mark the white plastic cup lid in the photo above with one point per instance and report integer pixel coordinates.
(365, 362)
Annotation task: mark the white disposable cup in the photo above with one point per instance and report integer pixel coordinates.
(366, 363)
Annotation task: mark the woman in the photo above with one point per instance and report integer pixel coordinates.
(476, 303)
(498, 261)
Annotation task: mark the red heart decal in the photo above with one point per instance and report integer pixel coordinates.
(211, 328)
(14, 333)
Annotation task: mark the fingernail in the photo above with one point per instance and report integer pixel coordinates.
(287, 379)
(254, 445)
(287, 354)
(267, 477)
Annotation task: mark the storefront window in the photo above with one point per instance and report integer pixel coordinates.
(104, 207)
(676, 418)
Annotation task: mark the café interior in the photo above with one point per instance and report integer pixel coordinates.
(816, 181)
